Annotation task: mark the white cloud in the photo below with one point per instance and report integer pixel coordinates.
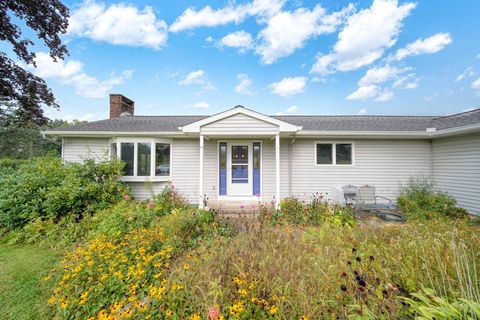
(367, 34)
(476, 84)
(119, 24)
(469, 72)
(71, 73)
(200, 105)
(288, 31)
(292, 109)
(192, 18)
(362, 111)
(379, 75)
(289, 110)
(406, 82)
(245, 85)
(371, 92)
(198, 77)
(288, 86)
(240, 40)
(429, 45)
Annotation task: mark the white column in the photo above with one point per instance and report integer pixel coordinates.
(277, 170)
(200, 189)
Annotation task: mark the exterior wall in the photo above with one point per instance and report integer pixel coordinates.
(80, 149)
(185, 167)
(383, 163)
(239, 123)
(456, 169)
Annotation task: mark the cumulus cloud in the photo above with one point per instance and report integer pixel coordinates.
(289, 110)
(71, 73)
(245, 85)
(366, 36)
(240, 40)
(469, 72)
(288, 31)
(288, 86)
(119, 24)
(379, 75)
(192, 18)
(409, 81)
(429, 45)
(371, 92)
(362, 111)
(200, 105)
(476, 84)
(369, 86)
(198, 77)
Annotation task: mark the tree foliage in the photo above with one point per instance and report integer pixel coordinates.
(48, 19)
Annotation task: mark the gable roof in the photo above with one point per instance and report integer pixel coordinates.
(282, 125)
(312, 123)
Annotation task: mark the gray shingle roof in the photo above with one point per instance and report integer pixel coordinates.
(317, 123)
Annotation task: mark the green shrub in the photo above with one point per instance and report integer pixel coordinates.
(169, 199)
(293, 211)
(47, 189)
(420, 200)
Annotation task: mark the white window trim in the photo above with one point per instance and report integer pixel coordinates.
(152, 177)
(334, 154)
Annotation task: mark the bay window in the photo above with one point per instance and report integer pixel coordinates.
(144, 158)
(334, 153)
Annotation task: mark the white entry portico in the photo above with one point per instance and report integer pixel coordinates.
(239, 132)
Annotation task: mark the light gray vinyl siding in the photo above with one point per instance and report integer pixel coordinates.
(268, 167)
(210, 169)
(145, 190)
(185, 167)
(80, 149)
(383, 163)
(239, 123)
(456, 169)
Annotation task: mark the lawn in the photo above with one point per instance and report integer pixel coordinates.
(23, 294)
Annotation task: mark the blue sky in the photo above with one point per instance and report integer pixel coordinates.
(274, 56)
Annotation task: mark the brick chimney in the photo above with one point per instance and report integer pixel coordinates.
(121, 106)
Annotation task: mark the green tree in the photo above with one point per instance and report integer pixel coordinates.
(48, 19)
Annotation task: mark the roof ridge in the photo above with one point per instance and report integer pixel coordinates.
(458, 114)
(354, 115)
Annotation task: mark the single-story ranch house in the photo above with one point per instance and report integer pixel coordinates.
(241, 154)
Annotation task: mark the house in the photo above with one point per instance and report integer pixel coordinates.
(241, 154)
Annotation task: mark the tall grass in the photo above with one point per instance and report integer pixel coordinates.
(317, 271)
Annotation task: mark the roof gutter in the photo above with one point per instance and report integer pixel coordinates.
(107, 134)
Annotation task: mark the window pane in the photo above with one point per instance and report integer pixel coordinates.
(240, 173)
(239, 154)
(143, 159)
(256, 155)
(162, 159)
(324, 153)
(127, 155)
(344, 153)
(113, 151)
(222, 165)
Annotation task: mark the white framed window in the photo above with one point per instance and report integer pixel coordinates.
(339, 153)
(145, 158)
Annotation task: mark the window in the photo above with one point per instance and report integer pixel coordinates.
(144, 158)
(334, 153)
(343, 153)
(162, 159)
(127, 155)
(324, 153)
